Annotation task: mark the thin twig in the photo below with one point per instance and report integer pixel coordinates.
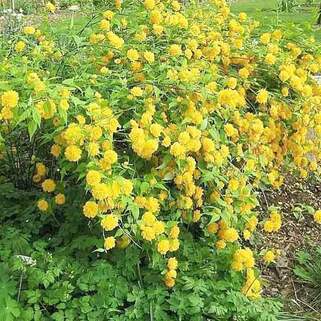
(20, 285)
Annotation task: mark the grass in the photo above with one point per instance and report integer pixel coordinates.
(65, 24)
(298, 23)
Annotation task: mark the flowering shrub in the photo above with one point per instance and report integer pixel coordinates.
(168, 119)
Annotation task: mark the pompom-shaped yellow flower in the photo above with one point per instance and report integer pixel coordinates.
(109, 222)
(137, 92)
(50, 7)
(60, 199)
(149, 56)
(174, 232)
(175, 50)
(156, 130)
(149, 4)
(55, 150)
(108, 14)
(9, 99)
(41, 169)
(172, 263)
(93, 177)
(132, 54)
(73, 153)
(90, 209)
(109, 243)
(265, 38)
(317, 216)
(229, 234)
(101, 191)
(29, 30)
(148, 233)
(212, 228)
(163, 246)
(262, 96)
(20, 46)
(269, 257)
(48, 185)
(43, 205)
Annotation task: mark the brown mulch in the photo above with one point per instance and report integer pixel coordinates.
(298, 232)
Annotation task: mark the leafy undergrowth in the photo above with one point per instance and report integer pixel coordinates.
(51, 270)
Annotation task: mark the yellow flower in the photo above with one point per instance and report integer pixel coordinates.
(51, 7)
(48, 185)
(115, 40)
(174, 232)
(229, 234)
(55, 150)
(177, 150)
(90, 209)
(196, 216)
(93, 149)
(252, 287)
(169, 282)
(73, 153)
(175, 50)
(137, 91)
(108, 14)
(29, 30)
(109, 222)
(171, 274)
(220, 244)
(101, 191)
(268, 226)
(127, 187)
(156, 130)
(132, 54)
(269, 257)
(163, 246)
(233, 184)
(149, 56)
(317, 216)
(148, 219)
(173, 245)
(246, 234)
(242, 258)
(244, 73)
(231, 82)
(148, 233)
(93, 177)
(242, 16)
(265, 38)
(104, 24)
(149, 4)
(172, 263)
(270, 59)
(212, 228)
(60, 199)
(10, 99)
(43, 205)
(41, 169)
(20, 46)
(262, 96)
(109, 243)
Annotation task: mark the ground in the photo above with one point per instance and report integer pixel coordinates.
(298, 232)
